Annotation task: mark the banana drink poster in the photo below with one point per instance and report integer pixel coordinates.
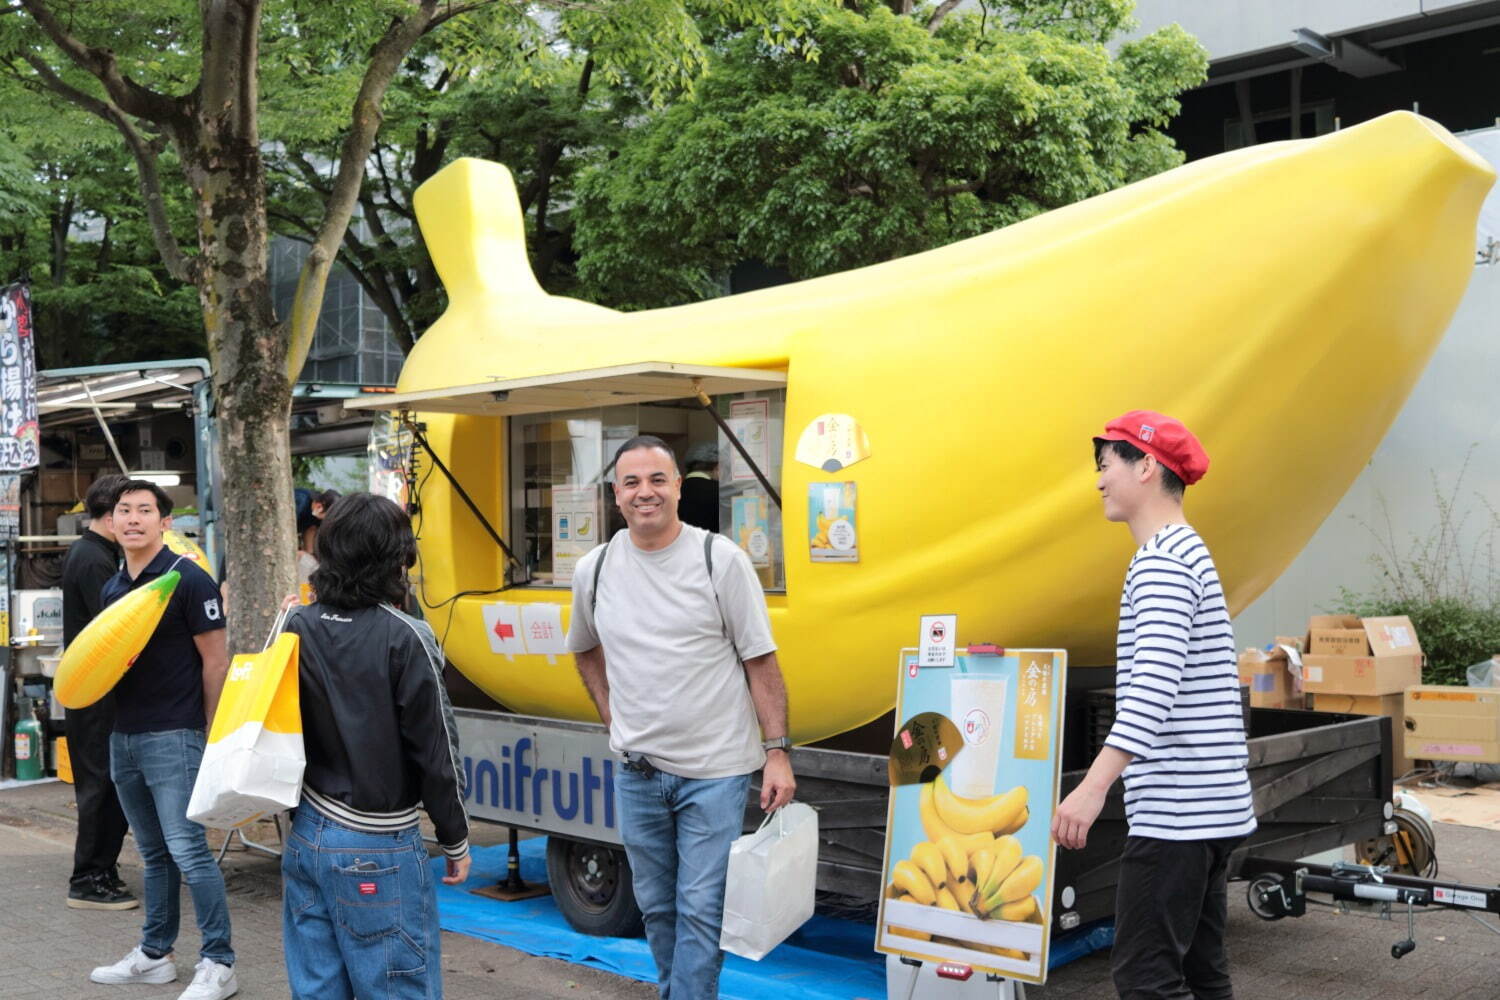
(975, 767)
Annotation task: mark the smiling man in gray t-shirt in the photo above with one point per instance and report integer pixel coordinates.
(682, 668)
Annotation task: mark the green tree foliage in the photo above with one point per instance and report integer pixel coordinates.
(203, 94)
(71, 222)
(874, 131)
(545, 95)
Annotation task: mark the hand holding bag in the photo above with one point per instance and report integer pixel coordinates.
(772, 879)
(254, 759)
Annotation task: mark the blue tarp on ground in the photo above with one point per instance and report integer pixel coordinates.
(827, 959)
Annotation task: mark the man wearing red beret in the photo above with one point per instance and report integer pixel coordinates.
(1178, 736)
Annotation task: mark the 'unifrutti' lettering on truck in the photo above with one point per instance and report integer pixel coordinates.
(515, 784)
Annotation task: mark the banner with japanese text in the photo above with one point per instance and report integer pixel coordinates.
(974, 774)
(19, 444)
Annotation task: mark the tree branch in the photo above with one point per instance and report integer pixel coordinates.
(177, 264)
(943, 10)
(129, 96)
(365, 122)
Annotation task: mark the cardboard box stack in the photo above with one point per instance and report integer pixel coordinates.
(1362, 666)
(1269, 673)
(1367, 656)
(1453, 723)
(1393, 705)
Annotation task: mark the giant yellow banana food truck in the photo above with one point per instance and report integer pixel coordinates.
(1281, 300)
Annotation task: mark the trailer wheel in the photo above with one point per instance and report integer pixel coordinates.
(1266, 898)
(591, 884)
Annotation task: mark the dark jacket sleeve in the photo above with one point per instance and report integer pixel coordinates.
(96, 573)
(430, 741)
(86, 571)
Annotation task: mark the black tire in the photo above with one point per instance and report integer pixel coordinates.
(591, 884)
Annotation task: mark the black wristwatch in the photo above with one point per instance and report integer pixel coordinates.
(783, 743)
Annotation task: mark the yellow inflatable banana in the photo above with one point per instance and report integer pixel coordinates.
(189, 549)
(95, 661)
(1281, 299)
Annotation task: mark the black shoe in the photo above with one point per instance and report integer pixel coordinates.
(98, 894)
(115, 881)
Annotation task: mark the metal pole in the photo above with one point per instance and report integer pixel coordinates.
(99, 416)
(765, 483)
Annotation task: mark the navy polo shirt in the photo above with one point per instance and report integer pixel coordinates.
(163, 689)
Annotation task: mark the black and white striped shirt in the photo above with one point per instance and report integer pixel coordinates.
(1177, 703)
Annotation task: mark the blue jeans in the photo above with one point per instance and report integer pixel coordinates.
(153, 775)
(359, 913)
(677, 834)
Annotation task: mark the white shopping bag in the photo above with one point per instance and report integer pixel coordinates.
(773, 874)
(253, 763)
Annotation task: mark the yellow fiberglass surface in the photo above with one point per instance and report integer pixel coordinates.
(1281, 300)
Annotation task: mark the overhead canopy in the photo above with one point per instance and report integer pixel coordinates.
(642, 382)
(70, 395)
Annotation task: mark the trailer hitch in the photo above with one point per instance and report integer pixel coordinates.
(1282, 889)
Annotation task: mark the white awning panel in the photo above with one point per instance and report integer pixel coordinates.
(642, 382)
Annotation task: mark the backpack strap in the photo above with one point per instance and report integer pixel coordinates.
(598, 570)
(708, 564)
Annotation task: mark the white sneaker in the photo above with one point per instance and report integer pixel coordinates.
(136, 967)
(211, 981)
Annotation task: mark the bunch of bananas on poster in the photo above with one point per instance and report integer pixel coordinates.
(971, 861)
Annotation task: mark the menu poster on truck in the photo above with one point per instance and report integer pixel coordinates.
(969, 853)
(750, 419)
(575, 527)
(832, 519)
(752, 529)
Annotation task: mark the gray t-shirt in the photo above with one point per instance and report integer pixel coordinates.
(677, 693)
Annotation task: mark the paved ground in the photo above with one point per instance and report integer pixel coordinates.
(47, 949)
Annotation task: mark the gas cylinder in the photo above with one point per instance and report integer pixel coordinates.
(28, 745)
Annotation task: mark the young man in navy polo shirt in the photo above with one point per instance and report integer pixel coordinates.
(162, 708)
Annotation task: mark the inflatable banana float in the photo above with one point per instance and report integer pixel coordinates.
(1281, 299)
(94, 662)
(188, 549)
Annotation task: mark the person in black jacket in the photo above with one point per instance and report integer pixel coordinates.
(92, 560)
(698, 503)
(359, 915)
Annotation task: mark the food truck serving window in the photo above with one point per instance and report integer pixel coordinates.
(562, 500)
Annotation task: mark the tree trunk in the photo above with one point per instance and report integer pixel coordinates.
(256, 474)
(252, 394)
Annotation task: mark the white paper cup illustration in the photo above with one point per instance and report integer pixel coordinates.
(977, 707)
(831, 497)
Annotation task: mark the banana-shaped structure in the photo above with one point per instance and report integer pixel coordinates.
(95, 661)
(189, 549)
(1280, 299)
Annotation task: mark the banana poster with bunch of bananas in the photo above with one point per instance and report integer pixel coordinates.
(974, 770)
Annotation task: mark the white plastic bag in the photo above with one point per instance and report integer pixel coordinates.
(252, 764)
(772, 878)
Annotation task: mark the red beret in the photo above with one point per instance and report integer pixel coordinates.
(1168, 440)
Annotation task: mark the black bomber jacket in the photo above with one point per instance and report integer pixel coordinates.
(377, 724)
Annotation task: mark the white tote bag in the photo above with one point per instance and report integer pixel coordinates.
(253, 761)
(773, 875)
